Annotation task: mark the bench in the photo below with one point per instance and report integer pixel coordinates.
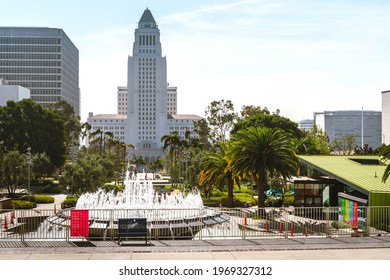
(132, 228)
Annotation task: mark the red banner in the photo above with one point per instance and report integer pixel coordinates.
(79, 223)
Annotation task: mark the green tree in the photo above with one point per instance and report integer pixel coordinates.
(13, 171)
(26, 124)
(155, 166)
(40, 166)
(314, 142)
(72, 125)
(220, 117)
(100, 139)
(216, 171)
(137, 160)
(344, 145)
(259, 152)
(173, 144)
(90, 172)
(384, 153)
(262, 118)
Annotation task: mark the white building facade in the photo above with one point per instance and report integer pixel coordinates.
(386, 117)
(12, 92)
(147, 106)
(113, 123)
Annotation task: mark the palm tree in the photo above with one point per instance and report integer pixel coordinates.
(256, 152)
(137, 160)
(216, 171)
(385, 154)
(99, 136)
(174, 144)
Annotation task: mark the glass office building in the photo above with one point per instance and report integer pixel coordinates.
(43, 60)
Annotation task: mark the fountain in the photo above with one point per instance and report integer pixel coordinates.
(172, 215)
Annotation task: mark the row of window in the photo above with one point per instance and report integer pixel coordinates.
(30, 49)
(30, 63)
(30, 41)
(147, 40)
(146, 59)
(147, 138)
(147, 51)
(34, 77)
(145, 76)
(49, 98)
(31, 85)
(15, 70)
(24, 56)
(95, 120)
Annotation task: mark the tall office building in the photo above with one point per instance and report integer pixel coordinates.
(148, 104)
(365, 126)
(147, 89)
(43, 60)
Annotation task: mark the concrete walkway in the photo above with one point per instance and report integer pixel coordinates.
(345, 248)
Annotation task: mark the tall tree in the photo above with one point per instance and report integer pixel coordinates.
(220, 117)
(256, 152)
(314, 142)
(13, 171)
(26, 124)
(173, 144)
(262, 118)
(72, 124)
(216, 171)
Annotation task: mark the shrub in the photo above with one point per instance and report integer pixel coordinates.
(112, 187)
(340, 224)
(43, 198)
(241, 198)
(288, 200)
(70, 201)
(22, 204)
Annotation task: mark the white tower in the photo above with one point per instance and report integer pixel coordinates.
(147, 90)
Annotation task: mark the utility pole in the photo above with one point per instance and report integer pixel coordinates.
(28, 170)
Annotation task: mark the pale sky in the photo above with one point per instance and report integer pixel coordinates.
(298, 56)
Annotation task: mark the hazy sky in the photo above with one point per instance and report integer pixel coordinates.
(298, 56)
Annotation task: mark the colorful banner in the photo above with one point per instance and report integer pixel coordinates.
(79, 223)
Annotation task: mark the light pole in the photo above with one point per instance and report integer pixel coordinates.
(28, 170)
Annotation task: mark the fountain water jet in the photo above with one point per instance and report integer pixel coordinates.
(168, 216)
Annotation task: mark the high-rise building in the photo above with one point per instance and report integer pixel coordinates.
(148, 104)
(172, 100)
(147, 89)
(122, 100)
(44, 60)
(364, 125)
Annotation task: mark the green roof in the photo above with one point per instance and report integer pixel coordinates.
(358, 172)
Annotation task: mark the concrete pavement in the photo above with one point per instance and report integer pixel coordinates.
(316, 248)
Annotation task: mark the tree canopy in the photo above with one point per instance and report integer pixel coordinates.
(25, 124)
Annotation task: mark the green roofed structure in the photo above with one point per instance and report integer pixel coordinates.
(359, 176)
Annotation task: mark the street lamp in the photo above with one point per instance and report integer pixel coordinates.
(28, 170)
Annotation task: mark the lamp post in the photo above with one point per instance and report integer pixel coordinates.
(28, 170)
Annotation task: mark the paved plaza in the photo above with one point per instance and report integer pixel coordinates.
(318, 248)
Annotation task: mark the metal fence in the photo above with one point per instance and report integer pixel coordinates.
(196, 224)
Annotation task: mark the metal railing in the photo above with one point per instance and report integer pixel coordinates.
(197, 224)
